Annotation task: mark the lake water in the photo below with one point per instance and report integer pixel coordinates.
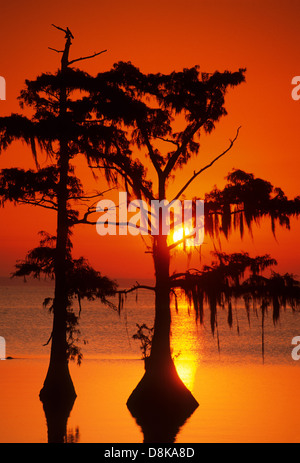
(241, 400)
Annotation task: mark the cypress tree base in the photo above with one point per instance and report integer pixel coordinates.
(161, 404)
(58, 386)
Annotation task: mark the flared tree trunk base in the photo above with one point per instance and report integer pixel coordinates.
(57, 396)
(58, 386)
(161, 404)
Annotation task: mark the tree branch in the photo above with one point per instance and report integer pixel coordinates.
(135, 288)
(196, 174)
(86, 57)
(51, 335)
(123, 173)
(66, 31)
(87, 198)
(85, 221)
(57, 51)
(167, 140)
(189, 133)
(38, 204)
(150, 151)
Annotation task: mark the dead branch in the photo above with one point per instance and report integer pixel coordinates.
(87, 57)
(66, 31)
(196, 174)
(57, 51)
(135, 288)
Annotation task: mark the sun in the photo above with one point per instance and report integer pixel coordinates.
(179, 234)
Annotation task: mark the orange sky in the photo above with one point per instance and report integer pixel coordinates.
(162, 36)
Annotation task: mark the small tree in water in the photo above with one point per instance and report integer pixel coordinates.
(144, 334)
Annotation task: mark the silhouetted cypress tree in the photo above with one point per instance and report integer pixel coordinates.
(63, 120)
(166, 116)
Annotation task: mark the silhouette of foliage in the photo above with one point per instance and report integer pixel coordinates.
(62, 122)
(144, 335)
(246, 200)
(232, 277)
(148, 104)
(82, 282)
(154, 108)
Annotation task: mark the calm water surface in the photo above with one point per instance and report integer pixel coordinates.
(240, 399)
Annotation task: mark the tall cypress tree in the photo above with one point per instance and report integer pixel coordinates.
(166, 116)
(62, 122)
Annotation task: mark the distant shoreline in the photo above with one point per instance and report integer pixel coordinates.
(122, 282)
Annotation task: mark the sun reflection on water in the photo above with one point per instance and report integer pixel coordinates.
(185, 343)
